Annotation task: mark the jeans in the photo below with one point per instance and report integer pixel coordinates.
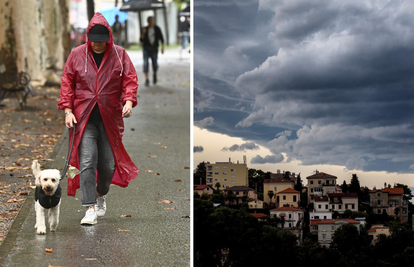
(95, 154)
(153, 55)
(185, 36)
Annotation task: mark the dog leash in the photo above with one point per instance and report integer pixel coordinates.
(65, 169)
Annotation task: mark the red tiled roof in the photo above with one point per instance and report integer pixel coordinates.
(320, 175)
(258, 215)
(287, 209)
(201, 186)
(321, 199)
(289, 190)
(374, 228)
(333, 221)
(343, 194)
(255, 199)
(390, 191)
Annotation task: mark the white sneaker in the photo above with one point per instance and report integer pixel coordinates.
(100, 206)
(90, 217)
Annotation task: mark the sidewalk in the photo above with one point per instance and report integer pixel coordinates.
(157, 137)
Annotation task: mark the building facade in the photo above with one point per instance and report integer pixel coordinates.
(320, 184)
(288, 198)
(227, 174)
(276, 184)
(326, 229)
(292, 217)
(391, 201)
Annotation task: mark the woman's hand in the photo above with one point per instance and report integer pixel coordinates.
(69, 118)
(127, 110)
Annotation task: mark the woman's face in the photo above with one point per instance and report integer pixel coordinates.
(98, 47)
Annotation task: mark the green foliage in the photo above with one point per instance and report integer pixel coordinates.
(200, 174)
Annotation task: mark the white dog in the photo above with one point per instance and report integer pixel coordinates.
(47, 196)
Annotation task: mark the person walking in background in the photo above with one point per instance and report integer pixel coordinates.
(184, 31)
(117, 31)
(99, 87)
(151, 37)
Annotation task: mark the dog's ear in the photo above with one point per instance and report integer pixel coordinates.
(36, 172)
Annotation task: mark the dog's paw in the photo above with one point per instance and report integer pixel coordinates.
(40, 232)
(53, 230)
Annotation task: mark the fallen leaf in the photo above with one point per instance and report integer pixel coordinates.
(163, 147)
(177, 180)
(90, 259)
(158, 143)
(27, 175)
(24, 193)
(123, 230)
(165, 201)
(149, 171)
(49, 250)
(157, 173)
(26, 168)
(188, 199)
(132, 129)
(169, 208)
(129, 215)
(186, 167)
(152, 156)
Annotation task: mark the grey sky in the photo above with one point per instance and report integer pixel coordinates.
(325, 82)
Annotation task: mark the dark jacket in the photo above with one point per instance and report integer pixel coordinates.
(158, 38)
(46, 201)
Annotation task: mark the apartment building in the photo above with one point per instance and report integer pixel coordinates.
(288, 198)
(320, 184)
(391, 201)
(227, 174)
(326, 229)
(292, 217)
(276, 184)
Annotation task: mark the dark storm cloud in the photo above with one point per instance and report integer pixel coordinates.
(267, 159)
(337, 74)
(198, 149)
(242, 147)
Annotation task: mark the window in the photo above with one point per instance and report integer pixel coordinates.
(251, 206)
(324, 237)
(209, 180)
(333, 206)
(379, 194)
(233, 175)
(316, 217)
(319, 206)
(346, 206)
(216, 180)
(311, 190)
(319, 181)
(333, 228)
(378, 202)
(224, 173)
(224, 167)
(209, 168)
(275, 189)
(324, 217)
(290, 225)
(311, 182)
(209, 174)
(353, 206)
(290, 216)
(326, 206)
(324, 228)
(294, 198)
(379, 211)
(224, 185)
(284, 197)
(225, 180)
(233, 170)
(216, 173)
(340, 206)
(216, 167)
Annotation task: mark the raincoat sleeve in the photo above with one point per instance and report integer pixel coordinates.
(67, 92)
(129, 82)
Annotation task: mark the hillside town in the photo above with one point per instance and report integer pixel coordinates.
(317, 205)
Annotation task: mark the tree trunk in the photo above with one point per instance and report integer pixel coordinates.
(90, 6)
(30, 32)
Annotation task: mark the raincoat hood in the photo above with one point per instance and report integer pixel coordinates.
(98, 18)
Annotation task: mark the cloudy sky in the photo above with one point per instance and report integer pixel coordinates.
(312, 83)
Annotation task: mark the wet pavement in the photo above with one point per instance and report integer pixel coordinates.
(157, 137)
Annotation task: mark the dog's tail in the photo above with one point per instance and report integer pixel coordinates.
(36, 172)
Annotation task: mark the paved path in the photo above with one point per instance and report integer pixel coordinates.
(156, 234)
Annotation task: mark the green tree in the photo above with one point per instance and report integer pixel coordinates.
(199, 176)
(298, 185)
(217, 186)
(344, 187)
(230, 196)
(270, 194)
(196, 194)
(355, 187)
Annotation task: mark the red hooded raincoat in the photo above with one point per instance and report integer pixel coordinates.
(110, 86)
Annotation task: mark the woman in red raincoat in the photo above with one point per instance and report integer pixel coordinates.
(99, 87)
